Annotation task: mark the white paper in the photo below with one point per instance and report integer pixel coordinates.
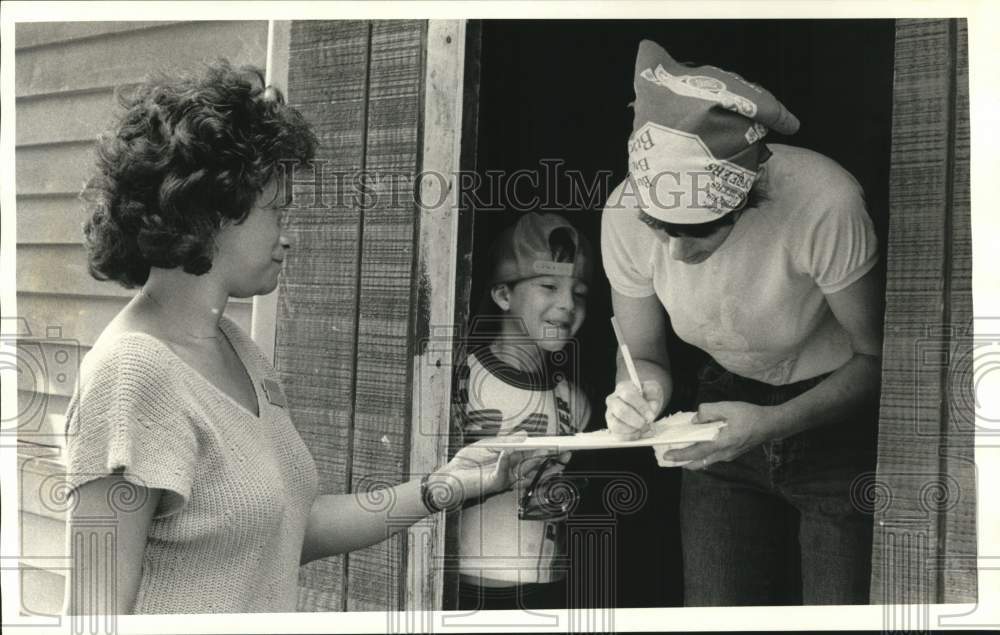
(673, 431)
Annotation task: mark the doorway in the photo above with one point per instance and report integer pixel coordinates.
(553, 102)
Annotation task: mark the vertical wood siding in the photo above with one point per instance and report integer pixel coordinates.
(382, 406)
(924, 492)
(315, 344)
(344, 330)
(65, 77)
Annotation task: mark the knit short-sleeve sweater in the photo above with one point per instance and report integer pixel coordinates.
(236, 488)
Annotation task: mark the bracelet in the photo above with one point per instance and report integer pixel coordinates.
(427, 497)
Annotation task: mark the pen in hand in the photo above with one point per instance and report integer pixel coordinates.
(627, 356)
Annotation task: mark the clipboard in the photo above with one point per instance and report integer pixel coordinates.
(676, 429)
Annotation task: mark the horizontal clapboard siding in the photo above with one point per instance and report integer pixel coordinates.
(41, 590)
(66, 75)
(42, 531)
(56, 169)
(124, 57)
(55, 119)
(81, 318)
(45, 220)
(35, 34)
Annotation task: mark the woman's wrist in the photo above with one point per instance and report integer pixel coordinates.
(441, 492)
(776, 422)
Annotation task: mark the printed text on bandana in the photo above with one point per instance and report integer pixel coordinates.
(675, 170)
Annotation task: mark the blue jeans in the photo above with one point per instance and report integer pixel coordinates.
(777, 524)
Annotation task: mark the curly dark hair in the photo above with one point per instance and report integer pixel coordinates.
(189, 154)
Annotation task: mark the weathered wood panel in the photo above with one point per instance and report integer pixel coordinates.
(958, 576)
(127, 57)
(316, 339)
(382, 433)
(924, 496)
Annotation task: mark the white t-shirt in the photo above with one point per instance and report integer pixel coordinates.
(757, 304)
(495, 546)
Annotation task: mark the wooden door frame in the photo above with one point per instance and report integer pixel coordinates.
(443, 275)
(947, 573)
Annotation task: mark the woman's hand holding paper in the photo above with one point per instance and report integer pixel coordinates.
(630, 412)
(745, 427)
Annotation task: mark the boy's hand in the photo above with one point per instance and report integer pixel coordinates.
(630, 413)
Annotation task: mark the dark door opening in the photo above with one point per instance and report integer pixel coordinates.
(554, 99)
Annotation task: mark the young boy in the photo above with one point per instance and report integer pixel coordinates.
(511, 543)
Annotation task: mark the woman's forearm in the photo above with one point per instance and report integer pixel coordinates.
(853, 388)
(339, 523)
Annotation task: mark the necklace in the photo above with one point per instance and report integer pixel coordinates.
(187, 331)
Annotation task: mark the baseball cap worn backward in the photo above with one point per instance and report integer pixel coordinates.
(525, 250)
(695, 149)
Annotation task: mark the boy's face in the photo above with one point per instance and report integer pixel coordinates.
(551, 307)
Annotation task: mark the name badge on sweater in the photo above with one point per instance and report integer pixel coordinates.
(273, 393)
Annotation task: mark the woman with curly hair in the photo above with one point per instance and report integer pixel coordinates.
(179, 430)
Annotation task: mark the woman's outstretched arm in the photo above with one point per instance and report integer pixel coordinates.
(339, 523)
